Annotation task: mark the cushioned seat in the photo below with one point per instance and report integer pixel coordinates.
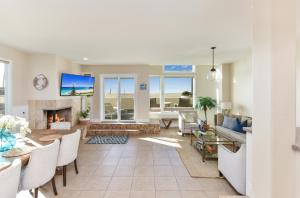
(233, 135)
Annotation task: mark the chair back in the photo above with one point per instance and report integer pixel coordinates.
(68, 148)
(9, 180)
(60, 125)
(41, 166)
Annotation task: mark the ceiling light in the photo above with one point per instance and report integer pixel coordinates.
(85, 59)
(213, 74)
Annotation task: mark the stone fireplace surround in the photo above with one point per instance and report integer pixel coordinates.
(37, 115)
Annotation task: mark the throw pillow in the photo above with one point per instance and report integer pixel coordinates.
(238, 126)
(202, 125)
(229, 122)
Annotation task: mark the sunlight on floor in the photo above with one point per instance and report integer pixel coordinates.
(172, 142)
(26, 194)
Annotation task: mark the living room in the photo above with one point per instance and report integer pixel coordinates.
(166, 113)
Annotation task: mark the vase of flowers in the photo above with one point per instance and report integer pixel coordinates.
(10, 126)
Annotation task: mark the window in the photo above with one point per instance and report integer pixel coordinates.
(3, 97)
(154, 89)
(178, 91)
(118, 98)
(179, 68)
(168, 92)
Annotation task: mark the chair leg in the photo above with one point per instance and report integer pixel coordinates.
(65, 175)
(75, 165)
(36, 192)
(54, 185)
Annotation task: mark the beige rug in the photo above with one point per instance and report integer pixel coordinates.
(192, 160)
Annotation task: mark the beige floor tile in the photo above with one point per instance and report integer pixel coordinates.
(168, 194)
(97, 183)
(129, 161)
(143, 184)
(91, 194)
(162, 171)
(144, 162)
(110, 161)
(188, 183)
(193, 194)
(162, 162)
(77, 183)
(141, 171)
(180, 171)
(105, 171)
(124, 171)
(65, 193)
(166, 183)
(142, 194)
(120, 183)
(117, 194)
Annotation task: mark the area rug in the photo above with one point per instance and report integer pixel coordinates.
(114, 139)
(192, 160)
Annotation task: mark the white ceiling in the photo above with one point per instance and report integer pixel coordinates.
(129, 31)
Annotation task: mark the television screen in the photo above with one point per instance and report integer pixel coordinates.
(76, 85)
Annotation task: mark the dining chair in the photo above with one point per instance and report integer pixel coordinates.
(9, 180)
(68, 152)
(40, 168)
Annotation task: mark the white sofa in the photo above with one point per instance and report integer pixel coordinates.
(187, 120)
(233, 167)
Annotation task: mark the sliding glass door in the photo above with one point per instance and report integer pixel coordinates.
(118, 98)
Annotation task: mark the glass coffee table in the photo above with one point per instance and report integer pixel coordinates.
(207, 143)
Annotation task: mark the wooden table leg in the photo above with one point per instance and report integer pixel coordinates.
(167, 123)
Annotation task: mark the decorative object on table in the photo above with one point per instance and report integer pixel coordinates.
(203, 126)
(226, 107)
(205, 103)
(214, 74)
(50, 137)
(84, 115)
(143, 86)
(9, 127)
(114, 139)
(40, 82)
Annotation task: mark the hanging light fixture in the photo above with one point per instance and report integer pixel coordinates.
(213, 74)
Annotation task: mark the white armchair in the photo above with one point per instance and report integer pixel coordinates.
(9, 180)
(233, 167)
(187, 120)
(60, 125)
(68, 152)
(41, 168)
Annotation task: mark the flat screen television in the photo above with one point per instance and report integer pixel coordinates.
(76, 85)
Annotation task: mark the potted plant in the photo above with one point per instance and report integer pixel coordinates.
(84, 116)
(186, 94)
(205, 103)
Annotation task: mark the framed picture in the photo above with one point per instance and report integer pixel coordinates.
(143, 86)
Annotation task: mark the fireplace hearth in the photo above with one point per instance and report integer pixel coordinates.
(58, 115)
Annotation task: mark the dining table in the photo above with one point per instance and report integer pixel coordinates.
(25, 145)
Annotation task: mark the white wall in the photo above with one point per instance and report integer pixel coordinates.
(241, 86)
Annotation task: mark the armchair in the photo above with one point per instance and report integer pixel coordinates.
(187, 120)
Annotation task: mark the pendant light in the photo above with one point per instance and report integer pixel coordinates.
(213, 74)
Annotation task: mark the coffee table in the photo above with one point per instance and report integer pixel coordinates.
(207, 143)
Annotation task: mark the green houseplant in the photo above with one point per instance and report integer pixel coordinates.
(84, 116)
(205, 104)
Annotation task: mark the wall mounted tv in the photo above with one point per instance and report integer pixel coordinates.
(76, 85)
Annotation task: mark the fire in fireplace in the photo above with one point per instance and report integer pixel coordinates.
(58, 115)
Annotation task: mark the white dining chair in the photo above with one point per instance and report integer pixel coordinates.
(40, 168)
(68, 152)
(60, 125)
(9, 180)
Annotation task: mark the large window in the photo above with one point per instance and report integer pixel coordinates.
(178, 68)
(118, 98)
(3, 100)
(168, 92)
(154, 89)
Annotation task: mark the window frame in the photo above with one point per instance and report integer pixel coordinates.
(178, 72)
(7, 85)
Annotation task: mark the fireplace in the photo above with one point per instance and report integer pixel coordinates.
(58, 115)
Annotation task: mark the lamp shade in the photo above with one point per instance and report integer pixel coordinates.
(226, 105)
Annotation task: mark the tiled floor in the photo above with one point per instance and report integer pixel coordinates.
(145, 167)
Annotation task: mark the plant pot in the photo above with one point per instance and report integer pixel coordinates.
(84, 121)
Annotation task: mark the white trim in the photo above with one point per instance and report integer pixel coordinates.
(118, 77)
(8, 84)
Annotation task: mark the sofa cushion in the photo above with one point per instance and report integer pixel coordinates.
(239, 125)
(230, 122)
(230, 134)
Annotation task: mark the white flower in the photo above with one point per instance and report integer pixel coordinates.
(14, 124)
